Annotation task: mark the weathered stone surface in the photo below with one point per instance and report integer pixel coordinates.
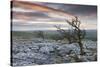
(46, 49)
(68, 48)
(45, 52)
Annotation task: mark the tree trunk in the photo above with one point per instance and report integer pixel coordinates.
(81, 48)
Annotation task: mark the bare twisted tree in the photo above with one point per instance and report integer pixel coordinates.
(76, 35)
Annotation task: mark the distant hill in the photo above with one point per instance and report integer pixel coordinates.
(90, 34)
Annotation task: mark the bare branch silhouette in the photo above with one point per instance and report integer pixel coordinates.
(76, 35)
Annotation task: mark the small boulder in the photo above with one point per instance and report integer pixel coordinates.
(46, 49)
(68, 48)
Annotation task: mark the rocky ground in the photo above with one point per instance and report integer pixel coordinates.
(38, 51)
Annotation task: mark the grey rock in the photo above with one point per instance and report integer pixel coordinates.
(68, 48)
(40, 56)
(46, 49)
(37, 51)
(34, 48)
(89, 44)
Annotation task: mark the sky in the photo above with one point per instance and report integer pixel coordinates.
(29, 16)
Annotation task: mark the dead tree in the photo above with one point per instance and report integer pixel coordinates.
(77, 32)
(40, 34)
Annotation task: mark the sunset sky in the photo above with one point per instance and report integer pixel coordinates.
(28, 16)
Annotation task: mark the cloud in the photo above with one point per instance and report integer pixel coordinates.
(40, 15)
